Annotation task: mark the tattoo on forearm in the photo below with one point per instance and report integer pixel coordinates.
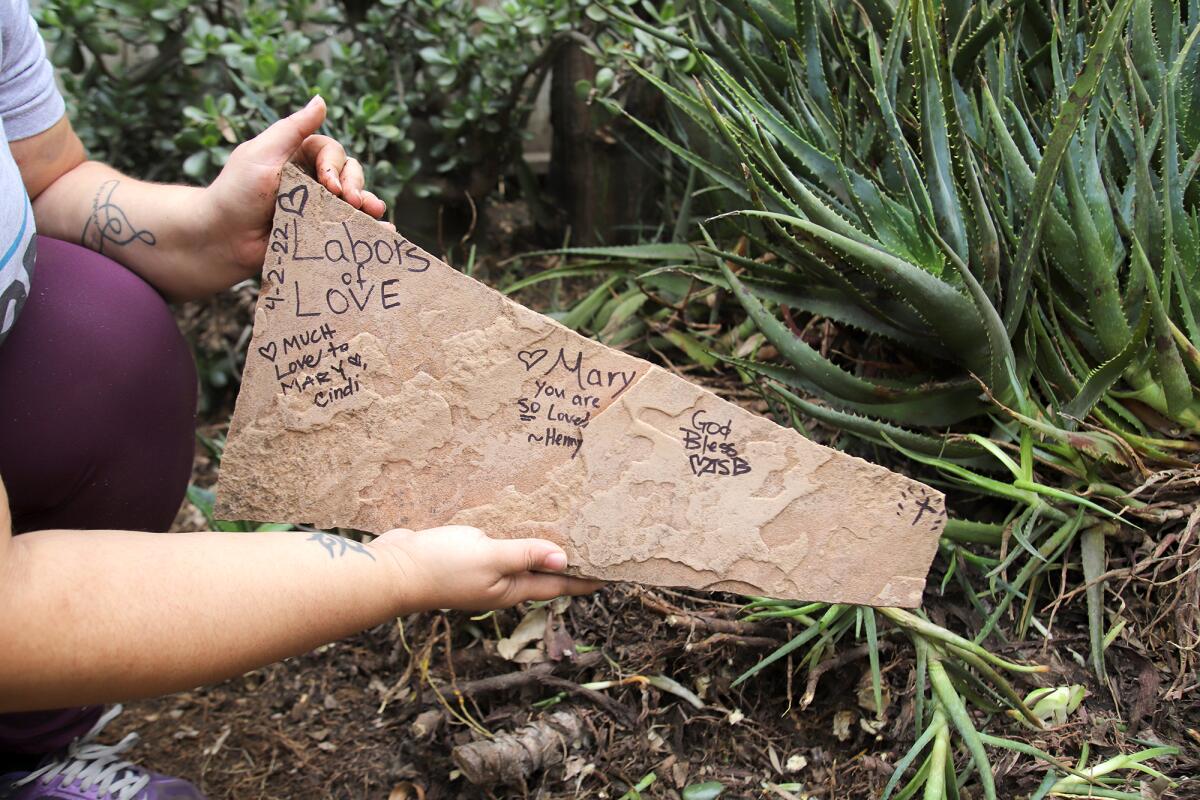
(338, 546)
(108, 223)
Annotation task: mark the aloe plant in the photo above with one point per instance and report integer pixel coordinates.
(1004, 198)
(1038, 244)
(1000, 195)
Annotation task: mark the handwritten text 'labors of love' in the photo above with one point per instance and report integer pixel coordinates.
(359, 288)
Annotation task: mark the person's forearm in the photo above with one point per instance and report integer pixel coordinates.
(98, 616)
(158, 231)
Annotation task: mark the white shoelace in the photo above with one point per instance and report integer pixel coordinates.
(100, 765)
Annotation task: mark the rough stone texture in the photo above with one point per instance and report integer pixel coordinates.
(385, 389)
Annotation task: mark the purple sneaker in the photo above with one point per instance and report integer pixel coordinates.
(91, 771)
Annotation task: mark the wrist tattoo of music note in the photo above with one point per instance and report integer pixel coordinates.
(109, 224)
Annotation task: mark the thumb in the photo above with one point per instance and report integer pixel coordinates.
(529, 555)
(281, 140)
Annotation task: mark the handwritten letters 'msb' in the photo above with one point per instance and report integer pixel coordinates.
(384, 389)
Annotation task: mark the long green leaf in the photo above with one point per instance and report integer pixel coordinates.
(961, 718)
(1069, 115)
(935, 137)
(949, 313)
(816, 368)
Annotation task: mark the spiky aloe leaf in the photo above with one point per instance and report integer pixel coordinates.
(776, 20)
(1068, 118)
(1001, 360)
(920, 406)
(808, 23)
(967, 53)
(1107, 374)
(948, 311)
(896, 140)
(947, 448)
(935, 137)
(690, 157)
(1172, 376)
(894, 225)
(794, 291)
(815, 368)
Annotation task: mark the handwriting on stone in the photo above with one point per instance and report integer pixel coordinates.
(375, 266)
(384, 389)
(710, 450)
(921, 506)
(314, 363)
(565, 395)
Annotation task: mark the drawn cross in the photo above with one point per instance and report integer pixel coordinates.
(923, 505)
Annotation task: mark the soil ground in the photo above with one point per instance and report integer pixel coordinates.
(379, 715)
(376, 716)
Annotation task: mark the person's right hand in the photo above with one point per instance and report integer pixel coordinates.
(462, 567)
(240, 203)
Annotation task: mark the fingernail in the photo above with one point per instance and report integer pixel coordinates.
(313, 102)
(556, 561)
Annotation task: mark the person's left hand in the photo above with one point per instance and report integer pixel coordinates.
(457, 566)
(241, 201)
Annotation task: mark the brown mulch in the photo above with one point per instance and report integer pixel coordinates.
(339, 721)
(379, 715)
(376, 716)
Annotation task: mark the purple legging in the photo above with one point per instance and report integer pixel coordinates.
(97, 422)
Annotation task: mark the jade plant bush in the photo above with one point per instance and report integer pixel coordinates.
(991, 210)
(428, 94)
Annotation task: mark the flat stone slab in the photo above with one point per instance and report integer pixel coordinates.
(384, 389)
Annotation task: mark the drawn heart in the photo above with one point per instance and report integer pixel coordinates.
(531, 358)
(293, 202)
(355, 360)
(267, 351)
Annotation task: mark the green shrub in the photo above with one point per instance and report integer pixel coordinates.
(428, 94)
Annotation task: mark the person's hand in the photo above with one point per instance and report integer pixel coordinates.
(461, 567)
(241, 201)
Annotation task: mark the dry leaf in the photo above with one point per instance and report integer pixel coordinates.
(531, 629)
(842, 721)
(559, 643)
(406, 791)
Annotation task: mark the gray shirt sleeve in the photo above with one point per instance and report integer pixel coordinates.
(29, 100)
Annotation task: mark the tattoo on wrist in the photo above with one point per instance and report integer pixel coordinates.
(338, 546)
(108, 223)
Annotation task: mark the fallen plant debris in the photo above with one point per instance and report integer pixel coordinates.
(390, 707)
(513, 758)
